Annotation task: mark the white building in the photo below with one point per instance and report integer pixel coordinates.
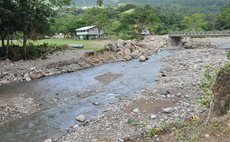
(89, 32)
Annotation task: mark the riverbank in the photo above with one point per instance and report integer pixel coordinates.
(174, 99)
(72, 60)
(171, 97)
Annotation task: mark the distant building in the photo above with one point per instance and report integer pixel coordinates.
(89, 32)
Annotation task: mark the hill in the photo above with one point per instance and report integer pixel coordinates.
(202, 6)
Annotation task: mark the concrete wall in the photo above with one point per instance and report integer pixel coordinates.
(174, 41)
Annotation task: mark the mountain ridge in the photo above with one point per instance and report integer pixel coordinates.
(211, 6)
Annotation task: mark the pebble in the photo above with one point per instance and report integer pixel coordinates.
(207, 135)
(81, 118)
(153, 116)
(142, 58)
(94, 140)
(168, 110)
(136, 110)
(121, 140)
(75, 126)
(48, 140)
(96, 103)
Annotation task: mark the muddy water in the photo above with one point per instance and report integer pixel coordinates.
(68, 95)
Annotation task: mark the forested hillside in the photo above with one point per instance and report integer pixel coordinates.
(205, 6)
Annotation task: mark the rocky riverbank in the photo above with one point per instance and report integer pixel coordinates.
(72, 60)
(175, 98)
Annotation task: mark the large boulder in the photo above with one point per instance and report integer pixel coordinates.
(127, 54)
(142, 58)
(128, 45)
(128, 57)
(114, 47)
(135, 54)
(127, 51)
(120, 43)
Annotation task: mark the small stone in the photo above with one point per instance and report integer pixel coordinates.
(121, 140)
(96, 103)
(207, 135)
(142, 58)
(168, 110)
(94, 140)
(48, 140)
(81, 118)
(163, 74)
(153, 116)
(75, 126)
(136, 110)
(28, 79)
(178, 95)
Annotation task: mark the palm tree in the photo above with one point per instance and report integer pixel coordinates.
(100, 3)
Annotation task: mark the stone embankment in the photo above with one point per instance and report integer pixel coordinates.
(72, 60)
(195, 43)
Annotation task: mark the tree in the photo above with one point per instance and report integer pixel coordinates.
(27, 16)
(141, 18)
(224, 18)
(7, 22)
(100, 3)
(195, 22)
(98, 17)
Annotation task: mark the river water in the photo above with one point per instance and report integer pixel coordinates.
(76, 91)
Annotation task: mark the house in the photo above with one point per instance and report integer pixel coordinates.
(89, 32)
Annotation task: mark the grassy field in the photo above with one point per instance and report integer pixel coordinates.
(88, 44)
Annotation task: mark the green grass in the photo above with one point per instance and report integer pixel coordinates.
(88, 44)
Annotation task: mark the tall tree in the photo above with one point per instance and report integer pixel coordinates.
(224, 18)
(100, 3)
(98, 17)
(195, 22)
(26, 16)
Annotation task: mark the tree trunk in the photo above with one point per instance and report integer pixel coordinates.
(24, 45)
(99, 33)
(3, 43)
(8, 43)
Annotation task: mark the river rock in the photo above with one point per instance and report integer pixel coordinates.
(136, 110)
(48, 140)
(95, 103)
(27, 77)
(127, 52)
(135, 54)
(142, 58)
(94, 140)
(153, 116)
(128, 45)
(35, 75)
(168, 110)
(113, 47)
(81, 118)
(128, 57)
(120, 43)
